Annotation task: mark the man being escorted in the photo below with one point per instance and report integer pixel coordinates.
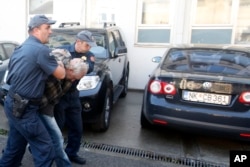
(29, 67)
(54, 89)
(69, 110)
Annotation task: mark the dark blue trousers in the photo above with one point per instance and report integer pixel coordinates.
(28, 129)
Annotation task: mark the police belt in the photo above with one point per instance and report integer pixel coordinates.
(34, 101)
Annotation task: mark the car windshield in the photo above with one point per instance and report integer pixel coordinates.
(67, 37)
(222, 62)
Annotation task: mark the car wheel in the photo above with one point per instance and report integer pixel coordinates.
(125, 84)
(144, 122)
(104, 121)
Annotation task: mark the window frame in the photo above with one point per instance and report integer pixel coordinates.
(232, 25)
(151, 27)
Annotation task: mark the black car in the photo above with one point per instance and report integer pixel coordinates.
(100, 89)
(200, 88)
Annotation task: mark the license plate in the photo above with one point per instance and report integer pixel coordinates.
(206, 97)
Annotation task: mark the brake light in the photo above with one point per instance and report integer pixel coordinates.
(159, 87)
(157, 121)
(247, 135)
(245, 97)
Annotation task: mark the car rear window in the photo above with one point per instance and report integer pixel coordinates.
(224, 62)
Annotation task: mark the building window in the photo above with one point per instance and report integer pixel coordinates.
(221, 22)
(153, 22)
(212, 22)
(155, 12)
(213, 12)
(40, 7)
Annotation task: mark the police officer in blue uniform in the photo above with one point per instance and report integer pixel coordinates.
(69, 110)
(29, 67)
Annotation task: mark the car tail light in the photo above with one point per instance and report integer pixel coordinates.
(247, 135)
(245, 98)
(157, 121)
(159, 87)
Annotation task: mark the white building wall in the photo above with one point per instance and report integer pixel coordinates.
(140, 56)
(69, 11)
(14, 27)
(13, 20)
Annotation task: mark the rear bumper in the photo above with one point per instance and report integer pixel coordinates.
(193, 118)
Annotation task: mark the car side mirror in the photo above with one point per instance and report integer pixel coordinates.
(156, 59)
(121, 50)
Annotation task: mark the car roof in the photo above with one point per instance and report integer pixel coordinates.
(211, 46)
(76, 26)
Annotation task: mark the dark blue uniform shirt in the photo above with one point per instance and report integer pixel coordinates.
(29, 67)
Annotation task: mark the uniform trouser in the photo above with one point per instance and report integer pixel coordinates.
(68, 112)
(29, 129)
(61, 157)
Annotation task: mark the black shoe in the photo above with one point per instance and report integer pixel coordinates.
(78, 160)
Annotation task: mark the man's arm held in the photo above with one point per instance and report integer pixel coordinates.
(59, 72)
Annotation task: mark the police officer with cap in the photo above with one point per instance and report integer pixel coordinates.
(69, 109)
(29, 67)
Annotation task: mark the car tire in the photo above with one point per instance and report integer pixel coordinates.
(144, 122)
(125, 84)
(104, 120)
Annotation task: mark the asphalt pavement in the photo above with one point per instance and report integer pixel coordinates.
(99, 159)
(96, 156)
(126, 144)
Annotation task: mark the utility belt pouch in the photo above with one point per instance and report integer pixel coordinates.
(19, 105)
